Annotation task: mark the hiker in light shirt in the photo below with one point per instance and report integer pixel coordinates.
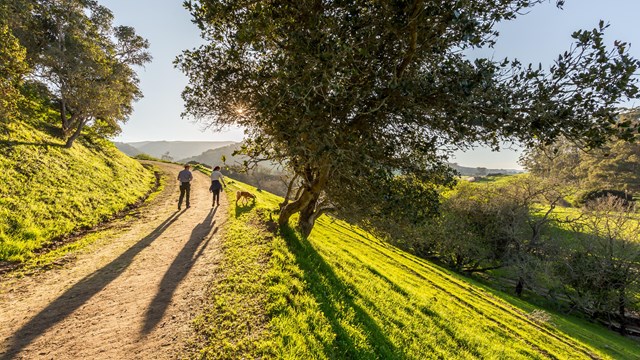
(185, 176)
(216, 185)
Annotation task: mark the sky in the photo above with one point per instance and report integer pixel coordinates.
(537, 37)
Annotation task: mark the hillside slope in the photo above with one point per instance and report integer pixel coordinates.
(343, 294)
(127, 149)
(47, 191)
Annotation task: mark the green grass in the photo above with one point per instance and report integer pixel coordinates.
(234, 326)
(47, 191)
(343, 294)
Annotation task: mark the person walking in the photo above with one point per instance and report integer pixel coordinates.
(185, 176)
(216, 185)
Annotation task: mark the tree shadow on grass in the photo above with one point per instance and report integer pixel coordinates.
(192, 250)
(80, 293)
(330, 293)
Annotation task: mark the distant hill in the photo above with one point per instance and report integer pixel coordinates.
(127, 149)
(213, 157)
(471, 171)
(177, 149)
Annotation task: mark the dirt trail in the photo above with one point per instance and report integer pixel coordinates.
(130, 297)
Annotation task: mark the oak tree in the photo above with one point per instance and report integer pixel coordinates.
(85, 61)
(359, 98)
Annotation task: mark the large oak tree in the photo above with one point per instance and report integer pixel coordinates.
(359, 98)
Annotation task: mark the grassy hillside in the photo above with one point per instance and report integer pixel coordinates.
(47, 191)
(343, 294)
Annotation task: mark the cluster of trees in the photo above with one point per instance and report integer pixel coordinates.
(589, 260)
(615, 166)
(71, 55)
(360, 98)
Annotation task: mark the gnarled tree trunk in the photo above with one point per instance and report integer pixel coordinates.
(75, 134)
(306, 204)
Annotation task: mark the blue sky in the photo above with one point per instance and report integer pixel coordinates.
(537, 37)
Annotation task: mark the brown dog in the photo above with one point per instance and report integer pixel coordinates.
(244, 195)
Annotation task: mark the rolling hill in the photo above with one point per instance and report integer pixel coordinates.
(177, 149)
(213, 157)
(471, 171)
(127, 149)
(47, 191)
(344, 294)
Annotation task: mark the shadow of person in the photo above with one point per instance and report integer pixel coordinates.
(80, 293)
(178, 270)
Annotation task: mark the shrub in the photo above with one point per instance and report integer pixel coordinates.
(594, 195)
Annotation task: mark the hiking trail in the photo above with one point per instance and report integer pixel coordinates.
(131, 295)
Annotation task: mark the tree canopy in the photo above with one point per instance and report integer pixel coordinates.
(84, 61)
(13, 68)
(613, 166)
(359, 98)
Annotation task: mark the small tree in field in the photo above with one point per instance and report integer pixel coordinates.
(359, 97)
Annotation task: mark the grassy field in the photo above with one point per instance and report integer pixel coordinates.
(343, 294)
(47, 191)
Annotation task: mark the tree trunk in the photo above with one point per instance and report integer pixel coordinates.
(621, 313)
(63, 116)
(306, 203)
(308, 216)
(519, 287)
(75, 135)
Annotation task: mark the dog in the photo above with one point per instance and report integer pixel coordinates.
(245, 196)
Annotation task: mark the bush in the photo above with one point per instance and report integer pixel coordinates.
(477, 228)
(594, 195)
(144, 156)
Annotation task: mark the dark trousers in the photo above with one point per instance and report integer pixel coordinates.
(215, 189)
(185, 189)
(216, 196)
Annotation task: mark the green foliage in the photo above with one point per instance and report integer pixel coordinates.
(234, 325)
(86, 62)
(575, 259)
(13, 67)
(615, 166)
(343, 294)
(480, 227)
(144, 156)
(47, 191)
(354, 93)
(601, 274)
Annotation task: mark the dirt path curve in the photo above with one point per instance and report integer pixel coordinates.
(131, 297)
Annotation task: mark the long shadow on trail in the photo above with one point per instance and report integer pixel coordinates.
(334, 296)
(80, 293)
(179, 269)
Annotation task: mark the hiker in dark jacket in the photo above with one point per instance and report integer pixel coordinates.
(185, 176)
(216, 185)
